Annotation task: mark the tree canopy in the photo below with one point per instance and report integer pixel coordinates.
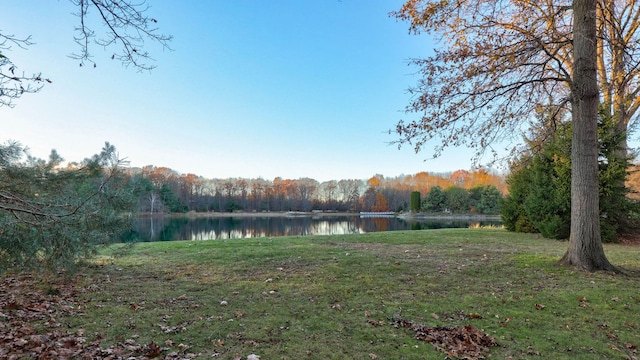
(501, 60)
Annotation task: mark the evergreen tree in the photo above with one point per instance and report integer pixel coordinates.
(485, 199)
(51, 216)
(458, 199)
(436, 200)
(415, 201)
(171, 201)
(539, 197)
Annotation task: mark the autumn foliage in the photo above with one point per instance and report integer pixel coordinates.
(169, 191)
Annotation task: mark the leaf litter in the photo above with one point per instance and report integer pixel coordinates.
(30, 327)
(459, 342)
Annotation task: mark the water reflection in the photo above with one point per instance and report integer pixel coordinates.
(220, 228)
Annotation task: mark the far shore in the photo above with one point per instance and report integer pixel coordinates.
(449, 216)
(402, 215)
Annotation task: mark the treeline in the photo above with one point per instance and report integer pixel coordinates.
(480, 199)
(163, 190)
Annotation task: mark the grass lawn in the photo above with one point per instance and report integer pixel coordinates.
(335, 297)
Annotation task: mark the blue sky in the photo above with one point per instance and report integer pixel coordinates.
(289, 88)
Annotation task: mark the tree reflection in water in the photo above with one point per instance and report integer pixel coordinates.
(210, 228)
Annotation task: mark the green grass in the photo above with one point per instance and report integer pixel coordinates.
(332, 297)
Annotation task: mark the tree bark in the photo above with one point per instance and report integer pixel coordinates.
(585, 243)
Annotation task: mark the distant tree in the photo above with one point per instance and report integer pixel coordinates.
(256, 194)
(171, 201)
(436, 200)
(485, 199)
(121, 25)
(458, 199)
(350, 190)
(415, 201)
(148, 195)
(51, 216)
(327, 195)
(305, 192)
(460, 178)
(381, 204)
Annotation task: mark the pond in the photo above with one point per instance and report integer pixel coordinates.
(229, 227)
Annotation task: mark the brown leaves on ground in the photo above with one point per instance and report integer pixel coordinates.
(30, 326)
(460, 342)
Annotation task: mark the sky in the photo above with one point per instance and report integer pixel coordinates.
(249, 89)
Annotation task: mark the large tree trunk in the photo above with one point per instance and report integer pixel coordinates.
(585, 244)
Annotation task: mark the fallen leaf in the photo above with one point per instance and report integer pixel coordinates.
(153, 349)
(218, 343)
(463, 342)
(505, 322)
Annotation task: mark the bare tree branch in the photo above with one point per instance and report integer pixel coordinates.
(126, 26)
(123, 25)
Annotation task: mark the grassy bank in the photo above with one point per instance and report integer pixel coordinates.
(334, 297)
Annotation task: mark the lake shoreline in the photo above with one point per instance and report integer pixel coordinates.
(316, 214)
